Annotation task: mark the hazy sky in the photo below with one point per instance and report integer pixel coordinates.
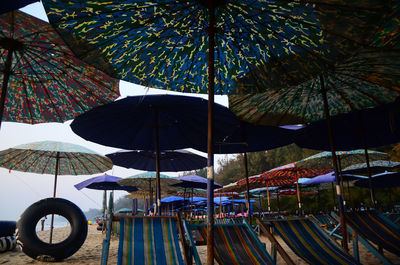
(18, 190)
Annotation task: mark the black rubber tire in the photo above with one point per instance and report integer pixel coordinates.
(34, 247)
(7, 228)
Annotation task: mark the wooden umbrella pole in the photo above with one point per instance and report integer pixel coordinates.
(299, 198)
(158, 186)
(210, 138)
(335, 165)
(268, 200)
(54, 195)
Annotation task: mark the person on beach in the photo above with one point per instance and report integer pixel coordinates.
(42, 221)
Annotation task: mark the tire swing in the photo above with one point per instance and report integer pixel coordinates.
(34, 247)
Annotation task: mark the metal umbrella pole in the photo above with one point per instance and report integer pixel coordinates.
(335, 166)
(54, 195)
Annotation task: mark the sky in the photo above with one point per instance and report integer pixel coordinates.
(18, 190)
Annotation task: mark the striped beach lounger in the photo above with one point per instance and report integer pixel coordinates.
(234, 244)
(375, 228)
(149, 241)
(311, 243)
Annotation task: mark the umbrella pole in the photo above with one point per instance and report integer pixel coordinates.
(268, 200)
(54, 195)
(158, 186)
(246, 172)
(6, 78)
(277, 201)
(298, 198)
(371, 186)
(335, 165)
(210, 138)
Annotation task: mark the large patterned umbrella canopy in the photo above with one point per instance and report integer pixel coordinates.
(282, 177)
(41, 158)
(56, 158)
(376, 167)
(367, 79)
(42, 80)
(164, 44)
(146, 180)
(323, 160)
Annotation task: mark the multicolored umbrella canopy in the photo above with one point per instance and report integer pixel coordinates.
(146, 180)
(282, 177)
(164, 44)
(56, 158)
(323, 160)
(42, 80)
(365, 80)
(376, 167)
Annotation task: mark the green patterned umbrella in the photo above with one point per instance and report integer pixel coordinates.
(42, 80)
(368, 79)
(56, 158)
(346, 158)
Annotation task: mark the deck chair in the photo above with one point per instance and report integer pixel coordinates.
(308, 241)
(329, 224)
(148, 240)
(394, 217)
(233, 244)
(373, 227)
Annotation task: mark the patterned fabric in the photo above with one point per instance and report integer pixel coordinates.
(281, 177)
(374, 228)
(310, 243)
(236, 245)
(143, 181)
(41, 157)
(149, 241)
(323, 160)
(367, 79)
(47, 82)
(164, 44)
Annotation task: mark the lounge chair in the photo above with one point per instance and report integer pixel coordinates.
(394, 217)
(308, 241)
(233, 244)
(329, 224)
(373, 227)
(147, 240)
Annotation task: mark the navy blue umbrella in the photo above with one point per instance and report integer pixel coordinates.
(153, 123)
(383, 180)
(170, 161)
(371, 127)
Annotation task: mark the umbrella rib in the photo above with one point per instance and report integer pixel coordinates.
(15, 157)
(102, 161)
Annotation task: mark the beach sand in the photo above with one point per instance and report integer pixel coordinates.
(90, 252)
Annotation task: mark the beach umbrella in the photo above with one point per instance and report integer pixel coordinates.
(204, 46)
(194, 181)
(383, 180)
(55, 158)
(329, 177)
(147, 181)
(153, 123)
(42, 80)
(378, 166)
(104, 182)
(323, 160)
(170, 161)
(371, 127)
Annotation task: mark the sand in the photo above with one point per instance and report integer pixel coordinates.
(90, 252)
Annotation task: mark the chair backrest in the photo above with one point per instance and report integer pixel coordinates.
(149, 240)
(309, 241)
(375, 228)
(235, 244)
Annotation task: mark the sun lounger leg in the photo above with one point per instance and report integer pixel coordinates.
(356, 253)
(374, 251)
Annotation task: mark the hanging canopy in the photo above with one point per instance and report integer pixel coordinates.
(329, 177)
(383, 180)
